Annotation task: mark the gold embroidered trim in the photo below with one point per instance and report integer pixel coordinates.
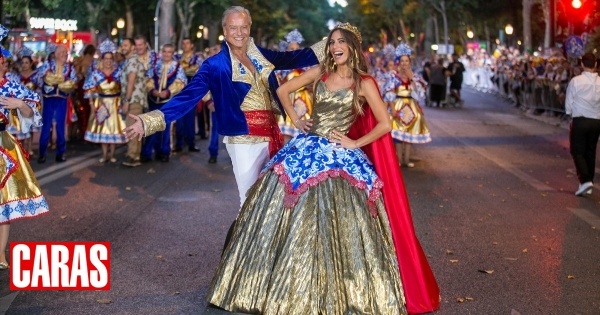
(247, 139)
(153, 121)
(320, 49)
(176, 87)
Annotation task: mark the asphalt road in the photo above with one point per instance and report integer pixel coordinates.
(492, 201)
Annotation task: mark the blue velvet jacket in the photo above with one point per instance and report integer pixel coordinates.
(216, 75)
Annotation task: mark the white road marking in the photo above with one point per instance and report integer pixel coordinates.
(6, 301)
(501, 163)
(586, 216)
(56, 171)
(69, 162)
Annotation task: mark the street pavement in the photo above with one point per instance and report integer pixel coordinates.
(491, 196)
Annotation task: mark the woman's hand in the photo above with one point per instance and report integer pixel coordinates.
(303, 125)
(11, 102)
(408, 73)
(136, 130)
(341, 139)
(15, 103)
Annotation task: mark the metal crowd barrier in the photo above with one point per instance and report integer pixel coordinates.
(533, 94)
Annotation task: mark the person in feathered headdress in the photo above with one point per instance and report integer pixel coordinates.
(20, 193)
(103, 87)
(302, 98)
(389, 53)
(408, 121)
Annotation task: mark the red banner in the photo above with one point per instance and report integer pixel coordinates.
(60, 266)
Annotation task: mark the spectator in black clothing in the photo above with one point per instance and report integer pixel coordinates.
(456, 78)
(426, 71)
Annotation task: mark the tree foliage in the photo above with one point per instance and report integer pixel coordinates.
(378, 20)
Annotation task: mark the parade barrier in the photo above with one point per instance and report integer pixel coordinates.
(536, 94)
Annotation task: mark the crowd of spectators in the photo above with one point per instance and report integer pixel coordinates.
(532, 83)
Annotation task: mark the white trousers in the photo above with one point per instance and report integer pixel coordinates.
(247, 160)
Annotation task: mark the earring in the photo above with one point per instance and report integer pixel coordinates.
(356, 56)
(351, 61)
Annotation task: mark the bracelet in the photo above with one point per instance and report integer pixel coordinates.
(296, 121)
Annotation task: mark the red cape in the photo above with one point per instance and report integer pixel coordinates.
(420, 288)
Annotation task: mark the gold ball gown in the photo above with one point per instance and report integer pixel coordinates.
(313, 236)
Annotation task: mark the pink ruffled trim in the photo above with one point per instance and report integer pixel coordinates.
(291, 196)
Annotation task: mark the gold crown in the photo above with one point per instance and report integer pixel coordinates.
(349, 27)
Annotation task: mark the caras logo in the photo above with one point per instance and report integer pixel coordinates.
(60, 266)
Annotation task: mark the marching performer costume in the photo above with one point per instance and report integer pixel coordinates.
(58, 80)
(104, 89)
(302, 99)
(408, 121)
(20, 193)
(244, 104)
(185, 127)
(162, 76)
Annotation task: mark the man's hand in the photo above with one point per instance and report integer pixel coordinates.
(136, 130)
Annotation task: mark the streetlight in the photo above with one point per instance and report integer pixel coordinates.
(576, 4)
(120, 26)
(205, 32)
(470, 34)
(508, 29)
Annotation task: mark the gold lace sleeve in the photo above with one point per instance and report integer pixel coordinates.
(190, 71)
(319, 49)
(176, 87)
(153, 122)
(149, 84)
(52, 78)
(67, 86)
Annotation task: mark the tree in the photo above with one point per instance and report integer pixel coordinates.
(440, 6)
(185, 12)
(165, 20)
(527, 6)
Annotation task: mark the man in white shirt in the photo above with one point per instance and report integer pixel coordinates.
(583, 104)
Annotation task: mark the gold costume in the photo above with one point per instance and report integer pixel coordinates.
(316, 249)
(105, 123)
(20, 193)
(408, 125)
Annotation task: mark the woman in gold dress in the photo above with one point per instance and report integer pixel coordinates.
(313, 236)
(408, 120)
(20, 193)
(104, 88)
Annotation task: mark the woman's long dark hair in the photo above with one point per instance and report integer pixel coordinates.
(356, 62)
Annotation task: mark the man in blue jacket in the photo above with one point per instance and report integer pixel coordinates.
(243, 85)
